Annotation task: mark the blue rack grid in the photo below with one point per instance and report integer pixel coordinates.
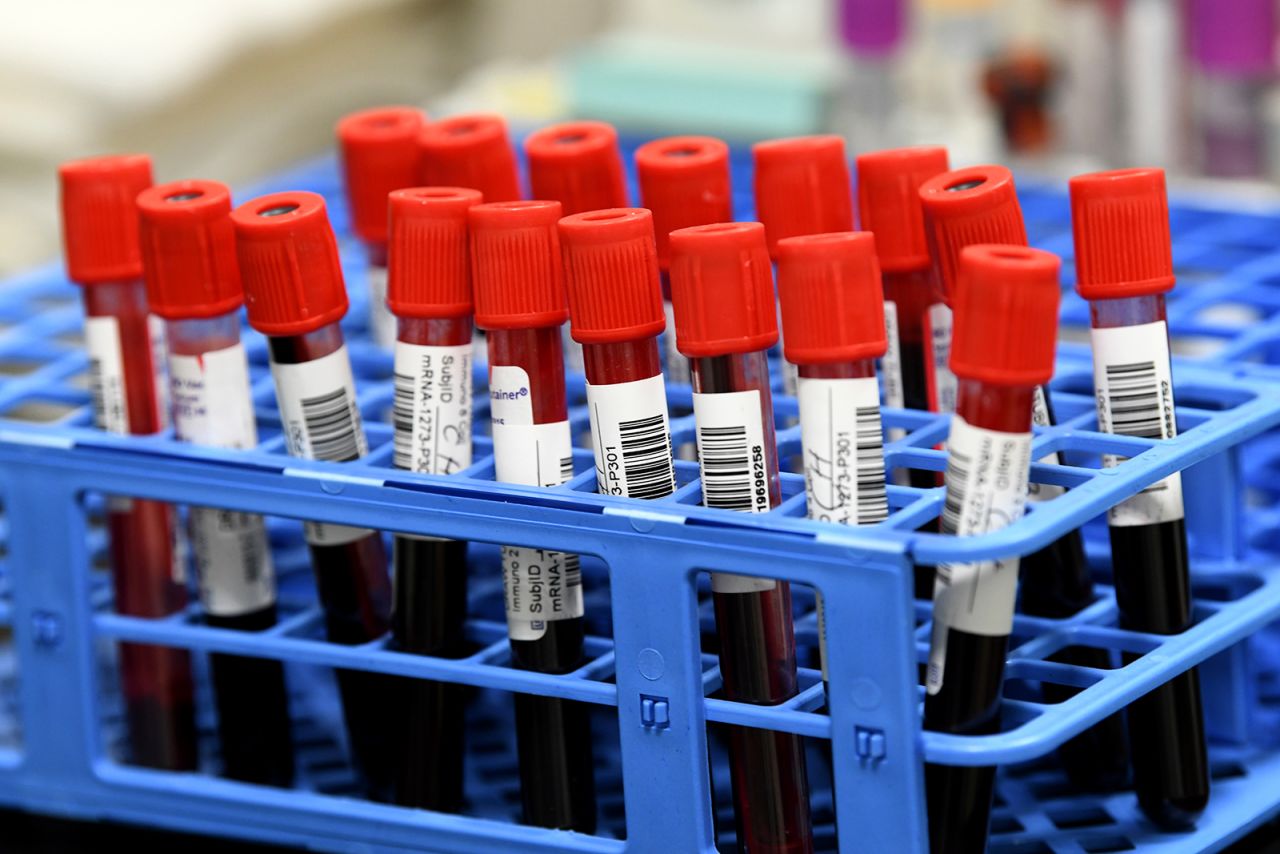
(647, 678)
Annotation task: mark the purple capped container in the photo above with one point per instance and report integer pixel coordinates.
(1234, 38)
(872, 27)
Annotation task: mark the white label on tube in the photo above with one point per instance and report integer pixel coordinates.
(1040, 418)
(106, 374)
(677, 362)
(382, 323)
(735, 468)
(891, 365)
(942, 383)
(631, 438)
(539, 585)
(572, 352)
(321, 421)
(211, 401)
(986, 490)
(843, 450)
(1134, 389)
(159, 348)
(212, 406)
(432, 408)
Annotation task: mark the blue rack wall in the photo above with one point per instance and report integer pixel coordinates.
(648, 680)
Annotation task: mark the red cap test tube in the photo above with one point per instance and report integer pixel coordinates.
(615, 302)
(726, 320)
(379, 154)
(103, 255)
(295, 296)
(193, 282)
(962, 208)
(1124, 267)
(1006, 312)
(834, 330)
(520, 302)
(472, 151)
(889, 207)
(429, 291)
(684, 181)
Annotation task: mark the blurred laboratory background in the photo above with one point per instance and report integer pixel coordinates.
(233, 89)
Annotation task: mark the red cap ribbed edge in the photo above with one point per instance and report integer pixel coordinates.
(578, 165)
(100, 217)
(429, 254)
(515, 265)
(189, 250)
(471, 150)
(722, 289)
(1120, 221)
(611, 275)
(802, 187)
(379, 154)
(685, 181)
(966, 207)
(889, 203)
(832, 300)
(1006, 315)
(288, 264)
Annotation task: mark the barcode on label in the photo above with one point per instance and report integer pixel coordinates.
(959, 465)
(566, 468)
(402, 421)
(1133, 400)
(646, 457)
(99, 394)
(331, 426)
(726, 467)
(873, 501)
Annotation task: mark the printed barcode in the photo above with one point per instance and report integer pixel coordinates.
(1133, 399)
(572, 570)
(566, 468)
(646, 457)
(959, 465)
(402, 419)
(726, 467)
(99, 394)
(873, 502)
(331, 426)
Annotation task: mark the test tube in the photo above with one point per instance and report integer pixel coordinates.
(1233, 52)
(873, 33)
(684, 181)
(615, 305)
(429, 291)
(1006, 326)
(520, 302)
(193, 282)
(295, 296)
(100, 237)
(470, 150)
(726, 320)
(379, 154)
(802, 186)
(889, 207)
(832, 315)
(1124, 266)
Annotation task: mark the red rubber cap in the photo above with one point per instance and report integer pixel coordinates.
(289, 264)
(832, 301)
(611, 275)
(684, 180)
(99, 216)
(379, 154)
(470, 151)
(578, 165)
(722, 289)
(429, 257)
(1006, 315)
(889, 203)
(189, 250)
(966, 207)
(515, 265)
(802, 187)
(1120, 221)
